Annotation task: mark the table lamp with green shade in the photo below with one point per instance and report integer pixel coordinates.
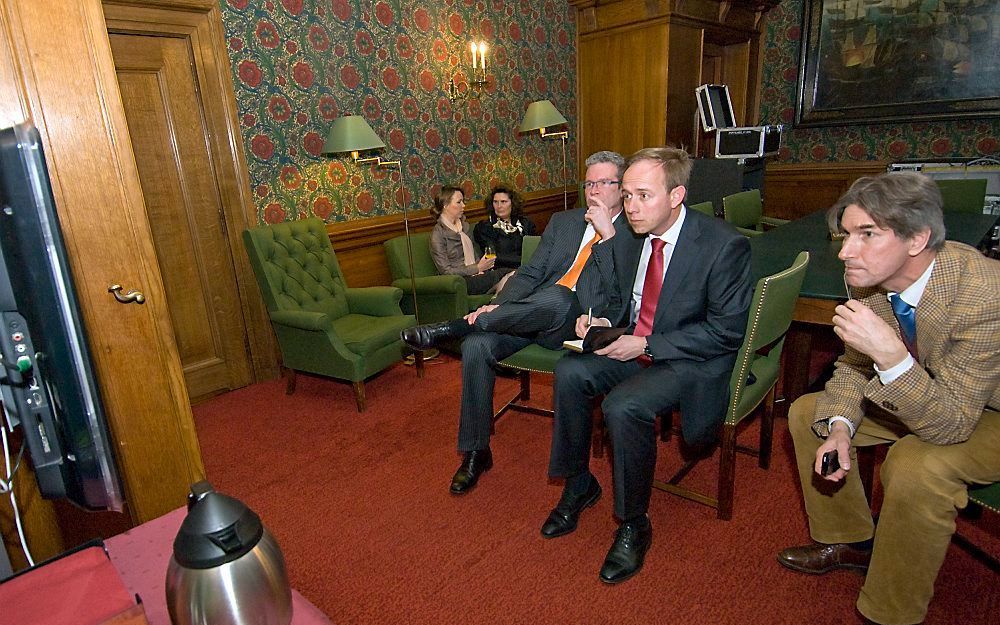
(540, 115)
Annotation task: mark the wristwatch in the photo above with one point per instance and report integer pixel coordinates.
(646, 352)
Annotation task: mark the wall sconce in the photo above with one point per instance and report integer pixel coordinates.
(478, 77)
(540, 115)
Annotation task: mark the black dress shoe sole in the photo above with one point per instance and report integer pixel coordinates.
(569, 530)
(833, 567)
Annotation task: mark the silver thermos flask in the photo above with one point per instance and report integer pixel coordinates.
(226, 568)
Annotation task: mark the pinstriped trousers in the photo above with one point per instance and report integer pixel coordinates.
(545, 317)
(924, 484)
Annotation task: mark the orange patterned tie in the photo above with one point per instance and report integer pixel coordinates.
(569, 280)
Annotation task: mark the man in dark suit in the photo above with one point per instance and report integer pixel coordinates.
(688, 283)
(571, 272)
(920, 372)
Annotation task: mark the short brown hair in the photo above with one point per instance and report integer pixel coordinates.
(442, 198)
(675, 162)
(902, 201)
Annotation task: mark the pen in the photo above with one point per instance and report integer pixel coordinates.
(590, 316)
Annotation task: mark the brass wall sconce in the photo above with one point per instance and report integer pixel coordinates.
(478, 77)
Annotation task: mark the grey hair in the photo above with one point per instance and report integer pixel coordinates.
(905, 202)
(607, 156)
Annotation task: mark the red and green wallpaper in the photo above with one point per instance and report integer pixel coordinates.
(885, 142)
(299, 64)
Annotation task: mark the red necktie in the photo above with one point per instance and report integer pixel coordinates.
(651, 286)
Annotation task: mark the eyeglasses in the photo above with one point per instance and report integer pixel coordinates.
(590, 184)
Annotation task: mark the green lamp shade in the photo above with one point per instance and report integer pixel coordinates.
(541, 114)
(351, 134)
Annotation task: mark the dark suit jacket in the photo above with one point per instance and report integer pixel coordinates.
(555, 255)
(701, 316)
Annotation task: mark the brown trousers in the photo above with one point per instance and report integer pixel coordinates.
(924, 487)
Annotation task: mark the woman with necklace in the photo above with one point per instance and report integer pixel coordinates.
(452, 248)
(506, 227)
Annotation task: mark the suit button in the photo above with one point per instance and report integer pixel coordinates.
(888, 405)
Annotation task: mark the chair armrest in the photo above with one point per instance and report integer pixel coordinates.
(301, 319)
(773, 221)
(750, 233)
(377, 301)
(431, 285)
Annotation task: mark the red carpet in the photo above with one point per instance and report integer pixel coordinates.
(360, 506)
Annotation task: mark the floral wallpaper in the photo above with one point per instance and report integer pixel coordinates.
(884, 142)
(299, 64)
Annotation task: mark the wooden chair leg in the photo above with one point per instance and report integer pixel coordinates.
(418, 362)
(727, 472)
(666, 425)
(766, 431)
(525, 379)
(289, 380)
(597, 434)
(359, 395)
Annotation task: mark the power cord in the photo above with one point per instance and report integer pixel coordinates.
(7, 486)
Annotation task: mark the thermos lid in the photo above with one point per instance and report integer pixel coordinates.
(218, 529)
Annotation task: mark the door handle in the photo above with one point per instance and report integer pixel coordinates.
(130, 296)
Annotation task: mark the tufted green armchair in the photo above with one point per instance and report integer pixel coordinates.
(440, 298)
(322, 325)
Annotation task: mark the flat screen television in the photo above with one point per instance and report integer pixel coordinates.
(48, 385)
(714, 107)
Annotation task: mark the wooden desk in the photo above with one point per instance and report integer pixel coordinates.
(823, 286)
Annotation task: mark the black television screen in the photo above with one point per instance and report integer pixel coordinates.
(48, 384)
(715, 107)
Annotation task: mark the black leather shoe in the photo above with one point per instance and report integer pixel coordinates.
(819, 558)
(564, 517)
(428, 335)
(474, 464)
(627, 553)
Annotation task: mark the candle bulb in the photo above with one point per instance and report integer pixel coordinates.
(473, 55)
(482, 55)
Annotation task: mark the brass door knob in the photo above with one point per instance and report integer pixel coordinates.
(128, 297)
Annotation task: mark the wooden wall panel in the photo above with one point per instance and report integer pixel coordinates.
(792, 191)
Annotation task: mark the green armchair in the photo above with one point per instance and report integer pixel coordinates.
(322, 325)
(440, 298)
(745, 211)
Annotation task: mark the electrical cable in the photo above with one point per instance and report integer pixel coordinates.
(9, 485)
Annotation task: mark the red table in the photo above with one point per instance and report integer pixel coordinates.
(142, 554)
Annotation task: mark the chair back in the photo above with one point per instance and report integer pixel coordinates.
(743, 209)
(771, 313)
(296, 267)
(528, 246)
(423, 263)
(704, 207)
(965, 195)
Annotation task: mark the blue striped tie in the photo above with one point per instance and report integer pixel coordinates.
(906, 315)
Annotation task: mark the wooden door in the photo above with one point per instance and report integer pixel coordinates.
(170, 140)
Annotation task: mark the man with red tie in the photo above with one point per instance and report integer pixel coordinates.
(688, 291)
(920, 371)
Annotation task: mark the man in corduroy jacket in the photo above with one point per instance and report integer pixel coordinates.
(921, 372)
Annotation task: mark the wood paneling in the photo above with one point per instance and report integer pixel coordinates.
(65, 76)
(793, 191)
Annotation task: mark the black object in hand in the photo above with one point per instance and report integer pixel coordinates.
(830, 462)
(599, 337)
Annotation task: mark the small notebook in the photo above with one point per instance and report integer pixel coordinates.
(598, 337)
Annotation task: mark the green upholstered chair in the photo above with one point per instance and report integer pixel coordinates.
(964, 195)
(440, 298)
(752, 383)
(704, 207)
(745, 211)
(322, 325)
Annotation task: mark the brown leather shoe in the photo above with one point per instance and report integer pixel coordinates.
(818, 558)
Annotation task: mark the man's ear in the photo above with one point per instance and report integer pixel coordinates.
(918, 242)
(677, 195)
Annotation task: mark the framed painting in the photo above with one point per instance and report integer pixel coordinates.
(872, 61)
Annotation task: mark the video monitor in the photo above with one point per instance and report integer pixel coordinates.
(715, 107)
(48, 386)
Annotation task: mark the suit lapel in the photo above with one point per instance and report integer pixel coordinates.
(932, 310)
(681, 261)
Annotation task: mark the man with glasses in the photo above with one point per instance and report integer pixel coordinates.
(572, 272)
